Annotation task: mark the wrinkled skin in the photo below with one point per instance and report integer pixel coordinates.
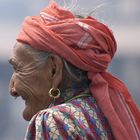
(33, 82)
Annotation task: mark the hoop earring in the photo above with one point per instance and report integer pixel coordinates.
(54, 93)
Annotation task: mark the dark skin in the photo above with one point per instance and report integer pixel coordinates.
(33, 83)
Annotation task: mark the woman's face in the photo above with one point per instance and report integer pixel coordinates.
(30, 82)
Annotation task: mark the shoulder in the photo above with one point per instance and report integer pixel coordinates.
(58, 121)
(76, 119)
(52, 123)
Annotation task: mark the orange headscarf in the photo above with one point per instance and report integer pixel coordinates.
(89, 45)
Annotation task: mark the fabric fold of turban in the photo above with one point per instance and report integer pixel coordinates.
(90, 46)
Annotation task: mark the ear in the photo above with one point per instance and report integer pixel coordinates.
(56, 70)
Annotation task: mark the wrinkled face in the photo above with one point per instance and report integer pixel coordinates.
(29, 81)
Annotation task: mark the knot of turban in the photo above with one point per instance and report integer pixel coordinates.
(90, 46)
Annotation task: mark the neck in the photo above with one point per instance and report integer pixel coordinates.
(71, 88)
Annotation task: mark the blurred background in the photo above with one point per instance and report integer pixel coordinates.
(122, 16)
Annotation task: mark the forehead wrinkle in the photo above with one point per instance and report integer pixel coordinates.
(28, 58)
(22, 56)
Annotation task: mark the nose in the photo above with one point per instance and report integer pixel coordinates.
(13, 92)
(12, 89)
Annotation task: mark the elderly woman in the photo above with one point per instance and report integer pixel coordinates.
(60, 64)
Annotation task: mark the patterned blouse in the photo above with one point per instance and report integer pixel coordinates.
(79, 119)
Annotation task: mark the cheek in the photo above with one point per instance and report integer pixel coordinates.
(38, 99)
(34, 105)
(35, 88)
(41, 86)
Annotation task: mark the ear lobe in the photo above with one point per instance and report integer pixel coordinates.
(57, 70)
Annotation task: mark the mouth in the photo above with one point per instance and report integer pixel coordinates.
(16, 95)
(23, 98)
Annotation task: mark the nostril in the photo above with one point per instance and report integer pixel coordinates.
(14, 93)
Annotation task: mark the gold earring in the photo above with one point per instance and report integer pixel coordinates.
(54, 93)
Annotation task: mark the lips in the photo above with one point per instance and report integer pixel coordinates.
(24, 98)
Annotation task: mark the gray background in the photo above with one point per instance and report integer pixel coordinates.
(122, 16)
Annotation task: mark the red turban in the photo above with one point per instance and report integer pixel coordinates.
(90, 46)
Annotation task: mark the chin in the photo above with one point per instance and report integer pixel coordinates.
(28, 114)
(30, 111)
(27, 118)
